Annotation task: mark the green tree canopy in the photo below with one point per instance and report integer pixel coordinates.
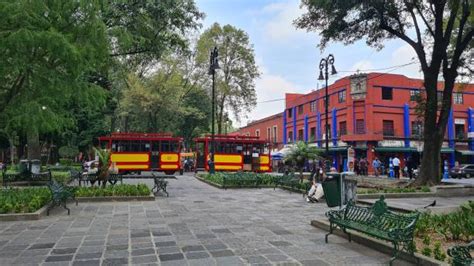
(235, 89)
(440, 32)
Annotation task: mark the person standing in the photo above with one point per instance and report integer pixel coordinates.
(356, 166)
(410, 167)
(396, 166)
(363, 166)
(376, 166)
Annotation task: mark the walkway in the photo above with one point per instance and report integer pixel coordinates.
(197, 225)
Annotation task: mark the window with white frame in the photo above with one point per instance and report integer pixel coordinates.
(457, 97)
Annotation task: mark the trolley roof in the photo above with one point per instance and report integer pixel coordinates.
(140, 136)
(227, 138)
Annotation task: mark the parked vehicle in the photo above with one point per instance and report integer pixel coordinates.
(466, 171)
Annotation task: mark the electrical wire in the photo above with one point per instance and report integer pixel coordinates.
(392, 68)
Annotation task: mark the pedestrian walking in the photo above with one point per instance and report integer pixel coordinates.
(396, 166)
(376, 166)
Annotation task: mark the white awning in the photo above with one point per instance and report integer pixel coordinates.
(465, 152)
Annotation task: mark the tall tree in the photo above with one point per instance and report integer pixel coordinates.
(235, 89)
(48, 49)
(439, 31)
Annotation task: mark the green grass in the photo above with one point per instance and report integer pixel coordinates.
(117, 190)
(15, 200)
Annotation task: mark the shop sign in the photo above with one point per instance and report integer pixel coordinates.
(391, 143)
(459, 121)
(350, 159)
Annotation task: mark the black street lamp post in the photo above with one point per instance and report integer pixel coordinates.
(324, 64)
(213, 65)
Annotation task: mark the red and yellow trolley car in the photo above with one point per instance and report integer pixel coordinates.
(135, 152)
(234, 153)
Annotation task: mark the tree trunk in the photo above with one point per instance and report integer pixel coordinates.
(34, 147)
(432, 135)
(12, 150)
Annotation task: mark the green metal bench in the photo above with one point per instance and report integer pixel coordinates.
(377, 221)
(160, 184)
(91, 178)
(26, 178)
(59, 195)
(114, 178)
(461, 254)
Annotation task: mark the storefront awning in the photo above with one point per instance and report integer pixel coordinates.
(395, 149)
(465, 152)
(334, 149)
(447, 150)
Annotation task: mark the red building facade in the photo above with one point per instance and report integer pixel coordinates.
(268, 128)
(373, 113)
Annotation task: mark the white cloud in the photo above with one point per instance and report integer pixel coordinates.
(280, 25)
(403, 55)
(271, 91)
(362, 66)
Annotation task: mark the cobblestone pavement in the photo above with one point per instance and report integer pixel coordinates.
(197, 225)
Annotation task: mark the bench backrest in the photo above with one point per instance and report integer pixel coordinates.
(378, 216)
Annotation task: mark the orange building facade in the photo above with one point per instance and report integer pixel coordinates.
(375, 114)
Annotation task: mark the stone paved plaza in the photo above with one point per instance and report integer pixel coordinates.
(197, 225)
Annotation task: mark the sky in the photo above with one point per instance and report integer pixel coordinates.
(288, 58)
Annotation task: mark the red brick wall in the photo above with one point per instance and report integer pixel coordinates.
(262, 126)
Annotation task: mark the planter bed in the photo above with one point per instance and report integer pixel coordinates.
(150, 197)
(27, 216)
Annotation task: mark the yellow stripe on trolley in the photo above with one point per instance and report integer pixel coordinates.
(227, 158)
(264, 159)
(133, 166)
(169, 166)
(169, 157)
(264, 168)
(228, 167)
(130, 157)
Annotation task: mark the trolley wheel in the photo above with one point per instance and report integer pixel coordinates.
(181, 172)
(169, 172)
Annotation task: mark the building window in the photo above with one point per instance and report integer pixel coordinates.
(439, 95)
(417, 128)
(312, 134)
(387, 93)
(360, 126)
(342, 96)
(290, 112)
(257, 132)
(290, 136)
(328, 130)
(459, 131)
(414, 95)
(342, 128)
(457, 96)
(274, 134)
(388, 129)
(312, 106)
(269, 133)
(300, 134)
(300, 109)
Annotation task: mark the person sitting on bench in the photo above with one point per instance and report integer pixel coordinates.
(315, 193)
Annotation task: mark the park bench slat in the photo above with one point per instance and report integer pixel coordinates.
(376, 221)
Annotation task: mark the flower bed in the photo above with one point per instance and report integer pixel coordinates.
(436, 233)
(25, 200)
(123, 190)
(240, 179)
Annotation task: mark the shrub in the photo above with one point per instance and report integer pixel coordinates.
(16, 200)
(68, 152)
(426, 251)
(438, 253)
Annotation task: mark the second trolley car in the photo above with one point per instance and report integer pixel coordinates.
(136, 152)
(234, 153)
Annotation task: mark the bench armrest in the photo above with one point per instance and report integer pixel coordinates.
(335, 214)
(405, 233)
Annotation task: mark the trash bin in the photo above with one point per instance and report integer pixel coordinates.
(35, 166)
(23, 167)
(332, 189)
